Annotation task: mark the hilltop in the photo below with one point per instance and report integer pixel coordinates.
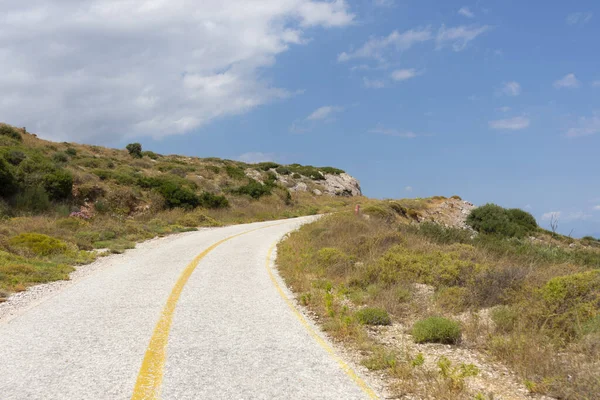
(63, 204)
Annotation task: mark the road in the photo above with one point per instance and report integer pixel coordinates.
(200, 316)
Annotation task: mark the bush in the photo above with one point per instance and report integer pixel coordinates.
(38, 244)
(8, 183)
(209, 200)
(253, 189)
(15, 157)
(176, 196)
(373, 316)
(235, 172)
(296, 175)
(135, 150)
(59, 184)
(308, 171)
(331, 170)
(504, 318)
(9, 131)
(493, 219)
(283, 170)
(150, 154)
(33, 198)
(71, 151)
(60, 157)
(436, 330)
(265, 166)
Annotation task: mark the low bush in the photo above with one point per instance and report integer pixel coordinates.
(38, 244)
(373, 316)
(265, 166)
(493, 219)
(253, 189)
(331, 170)
(60, 157)
(307, 170)
(283, 170)
(235, 172)
(504, 318)
(15, 157)
(71, 151)
(177, 196)
(209, 200)
(33, 198)
(150, 154)
(9, 131)
(8, 183)
(436, 330)
(59, 184)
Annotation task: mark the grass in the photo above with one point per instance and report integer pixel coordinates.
(543, 295)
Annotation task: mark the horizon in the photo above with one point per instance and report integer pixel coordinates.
(496, 103)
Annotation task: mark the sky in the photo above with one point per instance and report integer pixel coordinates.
(495, 101)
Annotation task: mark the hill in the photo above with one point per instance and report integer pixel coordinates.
(65, 203)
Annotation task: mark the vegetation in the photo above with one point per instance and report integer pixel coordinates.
(532, 304)
(91, 198)
(373, 316)
(436, 330)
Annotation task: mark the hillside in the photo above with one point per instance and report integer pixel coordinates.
(65, 203)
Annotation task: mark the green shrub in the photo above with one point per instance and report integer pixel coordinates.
(331, 170)
(443, 235)
(209, 200)
(177, 196)
(283, 170)
(253, 189)
(60, 157)
(15, 157)
(493, 219)
(59, 184)
(71, 151)
(505, 318)
(235, 172)
(436, 330)
(213, 168)
(135, 150)
(9, 131)
(265, 166)
(150, 154)
(296, 175)
(307, 170)
(373, 316)
(38, 244)
(8, 183)
(32, 198)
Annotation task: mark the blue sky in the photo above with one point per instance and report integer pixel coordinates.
(494, 101)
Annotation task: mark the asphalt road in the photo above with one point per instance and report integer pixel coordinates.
(199, 316)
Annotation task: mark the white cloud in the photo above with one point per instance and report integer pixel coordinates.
(513, 124)
(324, 113)
(596, 208)
(527, 207)
(373, 83)
(596, 84)
(577, 216)
(551, 215)
(503, 109)
(393, 132)
(459, 37)
(579, 18)
(375, 47)
(103, 69)
(466, 12)
(404, 74)
(511, 89)
(408, 189)
(256, 157)
(585, 127)
(568, 81)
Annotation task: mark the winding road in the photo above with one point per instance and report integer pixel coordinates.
(201, 315)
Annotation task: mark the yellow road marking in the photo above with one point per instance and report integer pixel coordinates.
(149, 380)
(345, 367)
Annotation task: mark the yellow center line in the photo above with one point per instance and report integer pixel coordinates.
(149, 380)
(345, 367)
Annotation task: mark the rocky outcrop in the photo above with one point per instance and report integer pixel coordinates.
(341, 185)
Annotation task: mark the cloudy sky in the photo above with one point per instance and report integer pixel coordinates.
(494, 101)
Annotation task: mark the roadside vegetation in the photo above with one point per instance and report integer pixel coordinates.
(64, 204)
(504, 288)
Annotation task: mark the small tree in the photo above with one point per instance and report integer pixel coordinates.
(135, 150)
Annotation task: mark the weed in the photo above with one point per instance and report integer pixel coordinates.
(373, 316)
(38, 244)
(436, 330)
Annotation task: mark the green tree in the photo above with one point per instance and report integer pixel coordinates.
(135, 150)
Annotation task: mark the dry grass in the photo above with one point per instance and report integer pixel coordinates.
(547, 296)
